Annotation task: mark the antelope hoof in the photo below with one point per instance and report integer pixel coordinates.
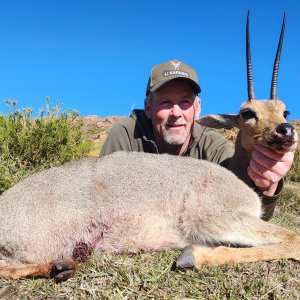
(186, 258)
(62, 269)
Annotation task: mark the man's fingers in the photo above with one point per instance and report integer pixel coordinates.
(258, 180)
(259, 169)
(267, 152)
(263, 160)
(264, 163)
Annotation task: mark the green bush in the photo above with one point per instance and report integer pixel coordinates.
(29, 144)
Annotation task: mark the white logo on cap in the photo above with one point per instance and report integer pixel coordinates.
(176, 71)
(176, 64)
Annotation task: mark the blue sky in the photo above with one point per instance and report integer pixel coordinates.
(95, 56)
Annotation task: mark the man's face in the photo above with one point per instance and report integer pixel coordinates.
(172, 110)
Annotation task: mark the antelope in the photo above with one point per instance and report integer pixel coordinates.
(259, 121)
(138, 201)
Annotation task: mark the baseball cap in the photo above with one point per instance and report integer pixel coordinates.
(167, 71)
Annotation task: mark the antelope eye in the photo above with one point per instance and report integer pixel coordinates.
(286, 114)
(248, 114)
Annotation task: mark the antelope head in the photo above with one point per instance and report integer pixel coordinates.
(260, 121)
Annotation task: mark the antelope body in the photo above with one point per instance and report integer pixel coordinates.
(143, 202)
(134, 202)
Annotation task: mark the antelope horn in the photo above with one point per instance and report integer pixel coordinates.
(273, 94)
(249, 65)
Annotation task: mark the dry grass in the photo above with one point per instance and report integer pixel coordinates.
(148, 276)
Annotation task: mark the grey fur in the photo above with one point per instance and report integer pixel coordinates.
(125, 202)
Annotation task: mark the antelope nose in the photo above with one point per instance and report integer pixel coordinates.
(285, 129)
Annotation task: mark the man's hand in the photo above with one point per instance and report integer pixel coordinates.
(267, 167)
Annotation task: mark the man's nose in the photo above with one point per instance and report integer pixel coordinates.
(176, 110)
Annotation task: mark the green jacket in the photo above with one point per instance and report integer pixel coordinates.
(135, 133)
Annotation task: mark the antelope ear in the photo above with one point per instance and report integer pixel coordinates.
(219, 121)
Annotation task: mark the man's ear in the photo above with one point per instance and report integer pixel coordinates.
(219, 121)
(197, 107)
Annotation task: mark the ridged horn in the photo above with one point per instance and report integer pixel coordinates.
(249, 65)
(273, 94)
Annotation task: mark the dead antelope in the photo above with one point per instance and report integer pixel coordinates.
(260, 121)
(142, 202)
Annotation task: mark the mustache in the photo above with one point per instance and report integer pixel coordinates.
(175, 122)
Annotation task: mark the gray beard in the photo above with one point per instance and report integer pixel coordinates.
(169, 140)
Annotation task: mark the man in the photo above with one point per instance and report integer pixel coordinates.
(166, 125)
